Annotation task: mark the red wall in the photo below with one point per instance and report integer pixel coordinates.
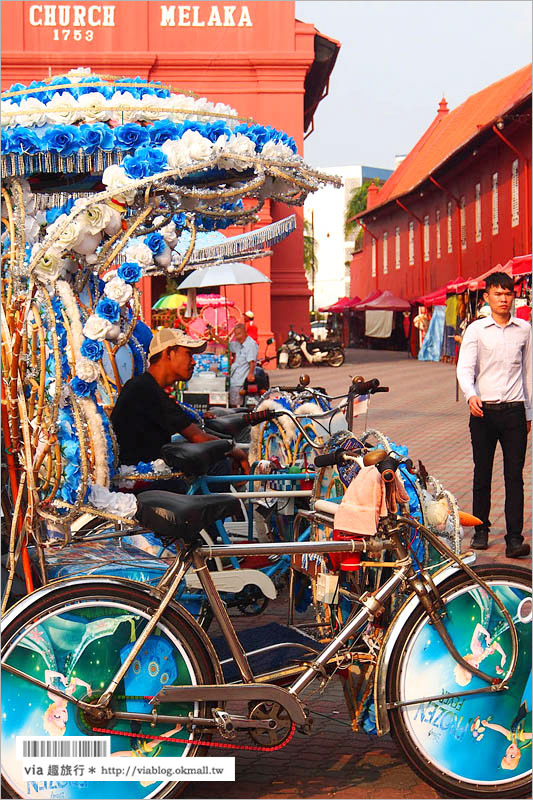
(475, 164)
(255, 58)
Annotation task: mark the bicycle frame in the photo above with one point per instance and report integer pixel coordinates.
(260, 688)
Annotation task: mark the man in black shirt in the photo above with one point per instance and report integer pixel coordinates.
(145, 417)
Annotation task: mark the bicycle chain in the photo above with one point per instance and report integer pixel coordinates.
(221, 745)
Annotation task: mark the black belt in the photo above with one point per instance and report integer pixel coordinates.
(502, 406)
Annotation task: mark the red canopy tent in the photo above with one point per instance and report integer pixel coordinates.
(368, 299)
(438, 296)
(387, 301)
(341, 305)
(515, 267)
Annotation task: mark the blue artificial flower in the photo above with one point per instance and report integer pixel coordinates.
(136, 168)
(35, 85)
(146, 161)
(16, 87)
(96, 136)
(82, 388)
(143, 467)
(72, 475)
(193, 125)
(60, 80)
(161, 130)
(70, 449)
(68, 494)
(24, 140)
(53, 213)
(130, 272)
(62, 139)
(156, 243)
(4, 141)
(216, 129)
(180, 219)
(130, 136)
(108, 309)
(92, 349)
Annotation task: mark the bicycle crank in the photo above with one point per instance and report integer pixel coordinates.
(279, 724)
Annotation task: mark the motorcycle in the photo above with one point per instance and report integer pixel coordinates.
(299, 346)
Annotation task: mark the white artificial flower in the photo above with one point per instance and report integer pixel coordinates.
(96, 328)
(94, 107)
(239, 145)
(159, 467)
(122, 504)
(50, 266)
(276, 152)
(116, 180)
(177, 153)
(163, 259)
(86, 369)
(87, 243)
(37, 115)
(31, 229)
(63, 108)
(95, 218)
(119, 503)
(117, 289)
(113, 332)
(168, 232)
(152, 107)
(200, 148)
(6, 107)
(139, 252)
(125, 107)
(69, 236)
(115, 221)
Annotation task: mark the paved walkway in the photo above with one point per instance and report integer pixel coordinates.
(419, 411)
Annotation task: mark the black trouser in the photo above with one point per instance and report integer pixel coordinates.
(506, 425)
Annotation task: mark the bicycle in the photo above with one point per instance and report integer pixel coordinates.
(158, 670)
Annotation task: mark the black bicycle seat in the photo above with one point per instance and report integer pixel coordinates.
(179, 516)
(230, 425)
(194, 458)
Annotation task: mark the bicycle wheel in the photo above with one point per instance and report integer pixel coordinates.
(77, 636)
(472, 745)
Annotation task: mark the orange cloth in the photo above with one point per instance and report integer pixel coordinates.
(364, 503)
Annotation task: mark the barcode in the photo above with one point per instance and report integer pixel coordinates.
(69, 747)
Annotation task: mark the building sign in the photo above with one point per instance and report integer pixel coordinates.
(129, 27)
(205, 15)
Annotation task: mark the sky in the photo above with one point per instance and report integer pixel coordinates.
(396, 61)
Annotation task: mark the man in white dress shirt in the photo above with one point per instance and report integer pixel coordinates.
(494, 372)
(243, 367)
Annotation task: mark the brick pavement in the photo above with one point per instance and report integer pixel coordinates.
(419, 411)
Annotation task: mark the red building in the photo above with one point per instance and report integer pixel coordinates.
(254, 56)
(459, 203)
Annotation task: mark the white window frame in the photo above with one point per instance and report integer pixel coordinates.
(462, 217)
(477, 190)
(426, 237)
(449, 214)
(385, 253)
(495, 204)
(437, 232)
(374, 258)
(515, 194)
(411, 242)
(397, 247)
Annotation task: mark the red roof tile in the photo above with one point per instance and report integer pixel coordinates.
(450, 131)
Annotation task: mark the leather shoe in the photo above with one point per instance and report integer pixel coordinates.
(480, 540)
(517, 550)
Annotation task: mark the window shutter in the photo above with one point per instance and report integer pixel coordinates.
(478, 211)
(437, 230)
(411, 243)
(449, 225)
(426, 237)
(397, 248)
(373, 258)
(385, 253)
(495, 204)
(462, 203)
(515, 209)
